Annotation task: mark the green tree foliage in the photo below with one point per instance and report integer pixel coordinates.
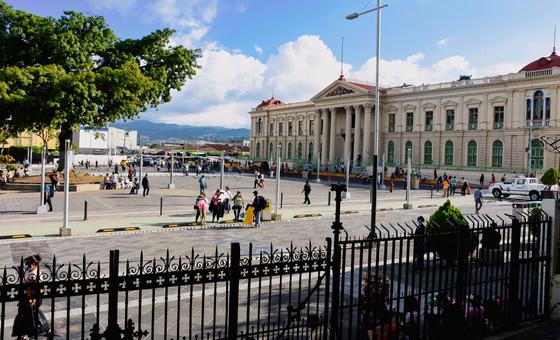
(62, 73)
(443, 228)
(550, 177)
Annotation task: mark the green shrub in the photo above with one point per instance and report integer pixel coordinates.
(550, 177)
(11, 167)
(443, 230)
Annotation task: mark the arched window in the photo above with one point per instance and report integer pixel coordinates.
(299, 151)
(258, 151)
(428, 152)
(391, 153)
(448, 155)
(270, 151)
(538, 98)
(471, 153)
(407, 151)
(310, 152)
(289, 151)
(537, 154)
(497, 151)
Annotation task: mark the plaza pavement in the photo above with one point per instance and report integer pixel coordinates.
(116, 208)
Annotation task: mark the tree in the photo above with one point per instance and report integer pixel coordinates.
(73, 71)
(550, 177)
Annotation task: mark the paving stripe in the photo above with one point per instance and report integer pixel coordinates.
(307, 215)
(112, 230)
(349, 212)
(17, 236)
(427, 206)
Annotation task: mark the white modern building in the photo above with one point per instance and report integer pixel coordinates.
(105, 141)
(491, 124)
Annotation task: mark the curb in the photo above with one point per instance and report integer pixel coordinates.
(16, 236)
(112, 230)
(427, 206)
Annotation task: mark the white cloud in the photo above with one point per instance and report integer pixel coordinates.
(230, 83)
(442, 42)
(258, 49)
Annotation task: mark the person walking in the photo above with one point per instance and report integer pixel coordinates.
(477, 200)
(228, 200)
(445, 188)
(202, 183)
(237, 205)
(49, 193)
(54, 180)
(202, 204)
(259, 204)
(453, 186)
(306, 191)
(481, 180)
(420, 243)
(464, 187)
(493, 179)
(30, 321)
(145, 186)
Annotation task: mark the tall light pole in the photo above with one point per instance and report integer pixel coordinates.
(65, 230)
(376, 131)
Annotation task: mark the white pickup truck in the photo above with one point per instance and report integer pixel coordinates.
(518, 186)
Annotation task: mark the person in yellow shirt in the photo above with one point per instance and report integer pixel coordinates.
(445, 189)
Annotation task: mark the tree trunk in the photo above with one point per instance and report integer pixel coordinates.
(65, 133)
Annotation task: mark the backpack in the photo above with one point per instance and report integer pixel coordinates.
(261, 203)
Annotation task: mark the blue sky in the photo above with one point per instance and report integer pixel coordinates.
(253, 48)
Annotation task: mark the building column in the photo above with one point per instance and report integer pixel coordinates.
(357, 133)
(332, 137)
(316, 136)
(348, 135)
(324, 136)
(367, 133)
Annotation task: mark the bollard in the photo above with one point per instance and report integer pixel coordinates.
(161, 206)
(329, 202)
(85, 210)
(432, 192)
(281, 199)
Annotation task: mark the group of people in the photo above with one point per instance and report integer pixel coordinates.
(223, 202)
(259, 180)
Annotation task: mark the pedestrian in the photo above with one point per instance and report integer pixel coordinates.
(202, 183)
(420, 243)
(453, 186)
(216, 206)
(237, 205)
(48, 194)
(481, 180)
(513, 174)
(146, 186)
(464, 187)
(435, 174)
(478, 200)
(114, 180)
(445, 188)
(306, 191)
(261, 180)
(259, 204)
(135, 186)
(201, 204)
(54, 178)
(503, 179)
(30, 321)
(256, 182)
(228, 199)
(493, 179)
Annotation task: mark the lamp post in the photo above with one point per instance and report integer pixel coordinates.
(376, 131)
(65, 230)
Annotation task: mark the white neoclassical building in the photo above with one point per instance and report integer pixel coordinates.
(491, 124)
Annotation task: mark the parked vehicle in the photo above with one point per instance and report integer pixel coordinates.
(518, 186)
(260, 166)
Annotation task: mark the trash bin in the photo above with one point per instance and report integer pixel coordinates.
(267, 212)
(415, 184)
(522, 209)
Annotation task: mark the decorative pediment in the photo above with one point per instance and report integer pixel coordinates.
(449, 103)
(428, 106)
(409, 108)
(339, 91)
(339, 88)
(498, 99)
(390, 108)
(473, 101)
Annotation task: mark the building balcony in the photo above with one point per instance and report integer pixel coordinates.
(391, 129)
(473, 126)
(498, 125)
(537, 123)
(450, 127)
(428, 127)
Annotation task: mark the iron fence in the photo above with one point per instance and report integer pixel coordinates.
(471, 278)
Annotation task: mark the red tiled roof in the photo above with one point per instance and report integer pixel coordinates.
(364, 86)
(271, 102)
(553, 60)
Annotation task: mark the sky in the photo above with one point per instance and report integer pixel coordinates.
(253, 49)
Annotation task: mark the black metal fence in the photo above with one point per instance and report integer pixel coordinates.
(484, 275)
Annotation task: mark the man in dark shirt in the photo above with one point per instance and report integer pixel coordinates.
(306, 190)
(259, 204)
(146, 186)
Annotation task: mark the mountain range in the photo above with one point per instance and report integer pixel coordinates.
(157, 132)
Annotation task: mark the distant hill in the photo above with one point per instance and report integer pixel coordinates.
(165, 132)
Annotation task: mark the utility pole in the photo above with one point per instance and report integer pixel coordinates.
(42, 208)
(278, 153)
(65, 230)
(222, 170)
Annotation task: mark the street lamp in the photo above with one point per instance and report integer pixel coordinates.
(376, 138)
